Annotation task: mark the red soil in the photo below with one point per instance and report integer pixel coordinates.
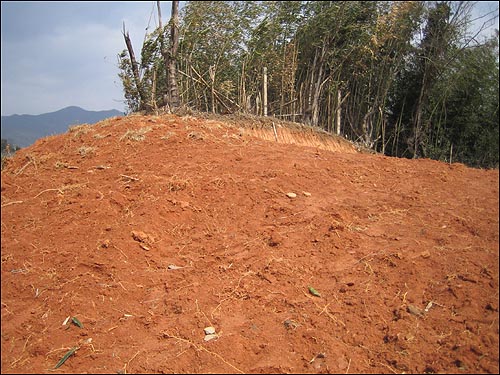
(404, 255)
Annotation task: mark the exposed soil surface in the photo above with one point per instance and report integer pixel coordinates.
(148, 230)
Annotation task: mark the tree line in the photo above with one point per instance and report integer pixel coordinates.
(404, 78)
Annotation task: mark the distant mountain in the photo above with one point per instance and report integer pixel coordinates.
(24, 130)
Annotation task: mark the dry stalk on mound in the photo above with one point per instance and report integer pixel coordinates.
(31, 159)
(325, 310)
(130, 360)
(80, 129)
(270, 128)
(136, 135)
(62, 189)
(9, 203)
(201, 348)
(230, 294)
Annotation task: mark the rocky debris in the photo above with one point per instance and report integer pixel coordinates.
(210, 333)
(145, 240)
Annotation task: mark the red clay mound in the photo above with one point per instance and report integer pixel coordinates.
(147, 230)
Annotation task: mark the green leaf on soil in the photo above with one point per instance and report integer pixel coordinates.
(77, 322)
(66, 356)
(314, 292)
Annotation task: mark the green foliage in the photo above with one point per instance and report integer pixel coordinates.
(454, 89)
(154, 76)
(126, 76)
(272, 45)
(402, 77)
(8, 148)
(468, 119)
(213, 39)
(8, 151)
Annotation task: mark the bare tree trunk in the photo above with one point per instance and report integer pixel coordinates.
(338, 110)
(211, 72)
(257, 104)
(417, 123)
(307, 106)
(330, 119)
(283, 70)
(367, 127)
(242, 92)
(159, 15)
(395, 143)
(135, 70)
(153, 92)
(315, 102)
(265, 92)
(318, 87)
(163, 52)
(293, 99)
(172, 61)
(171, 96)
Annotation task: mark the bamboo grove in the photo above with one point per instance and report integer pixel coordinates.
(404, 78)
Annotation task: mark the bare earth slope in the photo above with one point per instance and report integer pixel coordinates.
(149, 229)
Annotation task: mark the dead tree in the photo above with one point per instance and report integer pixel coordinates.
(135, 71)
(171, 95)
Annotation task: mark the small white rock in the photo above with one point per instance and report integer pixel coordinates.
(306, 193)
(291, 195)
(210, 337)
(174, 267)
(209, 330)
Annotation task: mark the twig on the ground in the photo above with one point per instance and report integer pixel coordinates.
(43, 191)
(9, 203)
(25, 165)
(325, 310)
(130, 360)
(199, 347)
(198, 309)
(230, 294)
(61, 189)
(129, 177)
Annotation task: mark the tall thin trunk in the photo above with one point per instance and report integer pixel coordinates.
(318, 87)
(309, 104)
(316, 96)
(382, 119)
(153, 91)
(211, 72)
(135, 70)
(338, 110)
(417, 121)
(172, 61)
(159, 15)
(265, 91)
(292, 83)
(163, 52)
(283, 77)
(330, 118)
(171, 95)
(241, 91)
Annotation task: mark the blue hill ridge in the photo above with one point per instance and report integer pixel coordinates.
(24, 130)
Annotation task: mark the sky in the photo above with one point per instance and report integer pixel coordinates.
(60, 54)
